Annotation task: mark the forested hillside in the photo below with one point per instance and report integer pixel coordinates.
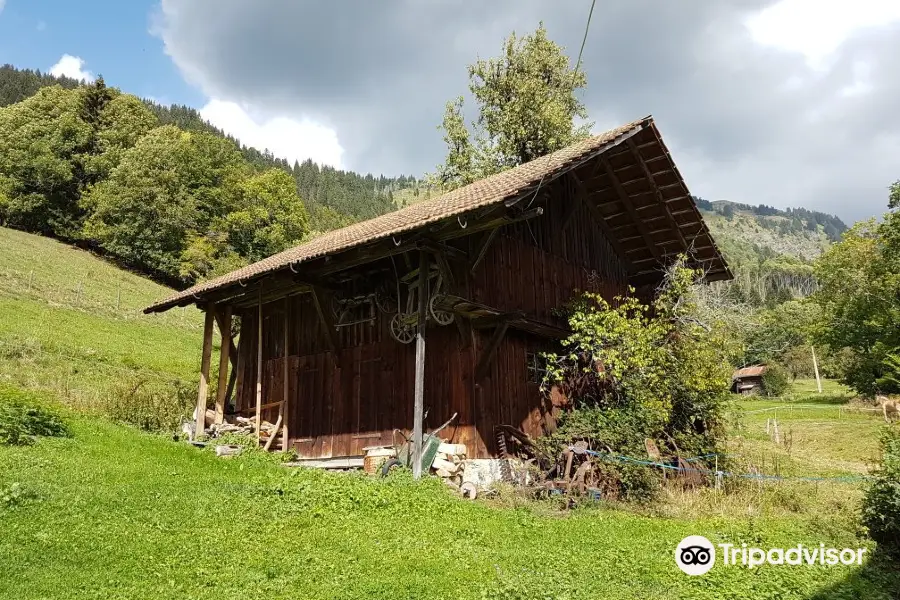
(94, 192)
(333, 197)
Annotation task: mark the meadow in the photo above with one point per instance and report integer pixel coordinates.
(113, 512)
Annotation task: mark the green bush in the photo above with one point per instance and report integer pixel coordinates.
(23, 416)
(633, 372)
(150, 405)
(881, 505)
(775, 380)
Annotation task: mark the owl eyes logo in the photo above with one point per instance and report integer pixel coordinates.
(695, 555)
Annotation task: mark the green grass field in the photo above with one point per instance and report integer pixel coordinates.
(115, 513)
(71, 323)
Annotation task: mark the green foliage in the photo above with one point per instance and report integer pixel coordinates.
(636, 371)
(859, 296)
(775, 380)
(881, 506)
(269, 218)
(150, 405)
(23, 417)
(527, 107)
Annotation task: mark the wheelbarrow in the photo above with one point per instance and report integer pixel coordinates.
(404, 450)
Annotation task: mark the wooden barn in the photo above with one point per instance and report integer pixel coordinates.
(444, 306)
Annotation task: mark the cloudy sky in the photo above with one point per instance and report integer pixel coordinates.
(781, 102)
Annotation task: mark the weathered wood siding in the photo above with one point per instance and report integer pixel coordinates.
(343, 401)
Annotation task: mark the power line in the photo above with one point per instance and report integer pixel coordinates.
(587, 27)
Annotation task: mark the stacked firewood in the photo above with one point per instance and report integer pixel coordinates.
(242, 426)
(449, 462)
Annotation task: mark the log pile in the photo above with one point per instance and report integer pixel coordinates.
(242, 426)
(449, 462)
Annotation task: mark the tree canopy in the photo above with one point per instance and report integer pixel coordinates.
(527, 108)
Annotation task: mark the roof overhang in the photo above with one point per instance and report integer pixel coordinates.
(626, 177)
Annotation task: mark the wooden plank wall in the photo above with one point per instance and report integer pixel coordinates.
(355, 397)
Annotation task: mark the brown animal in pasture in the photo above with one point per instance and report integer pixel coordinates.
(890, 408)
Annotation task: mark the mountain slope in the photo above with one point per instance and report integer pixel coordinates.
(71, 323)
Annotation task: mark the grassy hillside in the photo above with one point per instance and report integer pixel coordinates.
(71, 323)
(745, 230)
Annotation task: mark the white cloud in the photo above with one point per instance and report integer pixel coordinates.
(286, 137)
(816, 28)
(71, 66)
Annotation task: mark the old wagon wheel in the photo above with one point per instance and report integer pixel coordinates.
(441, 317)
(385, 300)
(402, 329)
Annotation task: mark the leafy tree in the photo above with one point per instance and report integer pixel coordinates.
(271, 217)
(859, 293)
(40, 140)
(165, 191)
(527, 107)
(58, 143)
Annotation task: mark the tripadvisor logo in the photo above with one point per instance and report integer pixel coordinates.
(696, 555)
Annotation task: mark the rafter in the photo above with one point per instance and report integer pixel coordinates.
(626, 202)
(659, 198)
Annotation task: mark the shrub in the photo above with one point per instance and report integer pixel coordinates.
(23, 417)
(150, 405)
(775, 380)
(881, 505)
(634, 371)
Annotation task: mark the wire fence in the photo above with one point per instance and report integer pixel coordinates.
(82, 292)
(721, 473)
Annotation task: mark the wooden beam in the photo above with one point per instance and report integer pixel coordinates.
(232, 349)
(483, 248)
(225, 352)
(325, 319)
(575, 201)
(487, 357)
(259, 366)
(285, 372)
(611, 237)
(419, 401)
(203, 390)
(662, 202)
(626, 202)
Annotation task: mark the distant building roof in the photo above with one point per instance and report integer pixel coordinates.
(754, 371)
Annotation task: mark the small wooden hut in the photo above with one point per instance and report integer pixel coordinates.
(333, 332)
(748, 380)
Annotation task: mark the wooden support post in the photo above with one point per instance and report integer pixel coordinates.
(487, 357)
(419, 404)
(222, 388)
(259, 366)
(285, 373)
(203, 391)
